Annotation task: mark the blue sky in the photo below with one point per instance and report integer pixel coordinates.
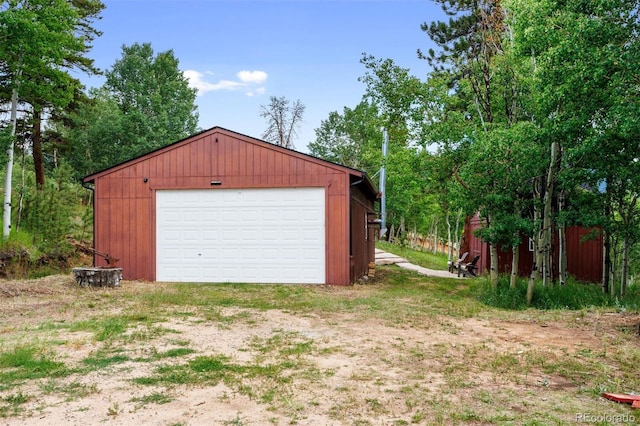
(241, 52)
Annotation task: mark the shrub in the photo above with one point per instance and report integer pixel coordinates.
(48, 212)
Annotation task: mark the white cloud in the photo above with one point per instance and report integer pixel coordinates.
(197, 82)
(248, 80)
(256, 92)
(252, 76)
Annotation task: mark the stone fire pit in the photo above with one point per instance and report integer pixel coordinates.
(98, 277)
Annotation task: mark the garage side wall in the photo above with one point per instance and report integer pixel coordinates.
(362, 233)
(125, 195)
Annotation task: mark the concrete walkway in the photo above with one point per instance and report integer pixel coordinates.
(384, 258)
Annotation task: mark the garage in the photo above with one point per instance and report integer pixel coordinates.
(273, 235)
(220, 206)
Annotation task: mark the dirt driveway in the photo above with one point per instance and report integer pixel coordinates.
(357, 364)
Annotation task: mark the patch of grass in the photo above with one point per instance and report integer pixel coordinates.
(278, 362)
(103, 360)
(422, 258)
(147, 331)
(505, 363)
(27, 363)
(130, 328)
(286, 344)
(103, 328)
(203, 370)
(174, 353)
(237, 421)
(215, 365)
(221, 319)
(11, 405)
(73, 390)
(152, 398)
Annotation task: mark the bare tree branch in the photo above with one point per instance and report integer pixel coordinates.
(283, 120)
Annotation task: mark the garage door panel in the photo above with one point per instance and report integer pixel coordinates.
(210, 234)
(253, 235)
(270, 216)
(229, 235)
(209, 217)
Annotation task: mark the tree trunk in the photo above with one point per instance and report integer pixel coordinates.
(614, 265)
(457, 235)
(38, 162)
(6, 216)
(547, 223)
(22, 190)
(449, 242)
(562, 243)
(627, 215)
(536, 240)
(435, 237)
(606, 254)
(535, 274)
(625, 266)
(414, 238)
(515, 261)
(493, 249)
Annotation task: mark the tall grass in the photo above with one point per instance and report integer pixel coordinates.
(573, 296)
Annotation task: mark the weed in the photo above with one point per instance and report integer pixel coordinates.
(153, 398)
(237, 421)
(73, 390)
(103, 360)
(375, 405)
(17, 399)
(174, 353)
(13, 404)
(113, 410)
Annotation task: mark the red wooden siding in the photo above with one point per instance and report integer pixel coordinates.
(584, 254)
(362, 233)
(125, 203)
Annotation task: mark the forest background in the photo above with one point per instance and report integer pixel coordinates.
(528, 117)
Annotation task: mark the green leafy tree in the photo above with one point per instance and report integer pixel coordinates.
(469, 42)
(399, 97)
(155, 97)
(402, 101)
(145, 104)
(497, 179)
(586, 86)
(352, 138)
(93, 135)
(485, 95)
(38, 39)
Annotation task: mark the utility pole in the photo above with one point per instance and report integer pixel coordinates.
(383, 181)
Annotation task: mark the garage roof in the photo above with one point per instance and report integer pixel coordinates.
(358, 177)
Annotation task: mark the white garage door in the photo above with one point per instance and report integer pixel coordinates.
(274, 235)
